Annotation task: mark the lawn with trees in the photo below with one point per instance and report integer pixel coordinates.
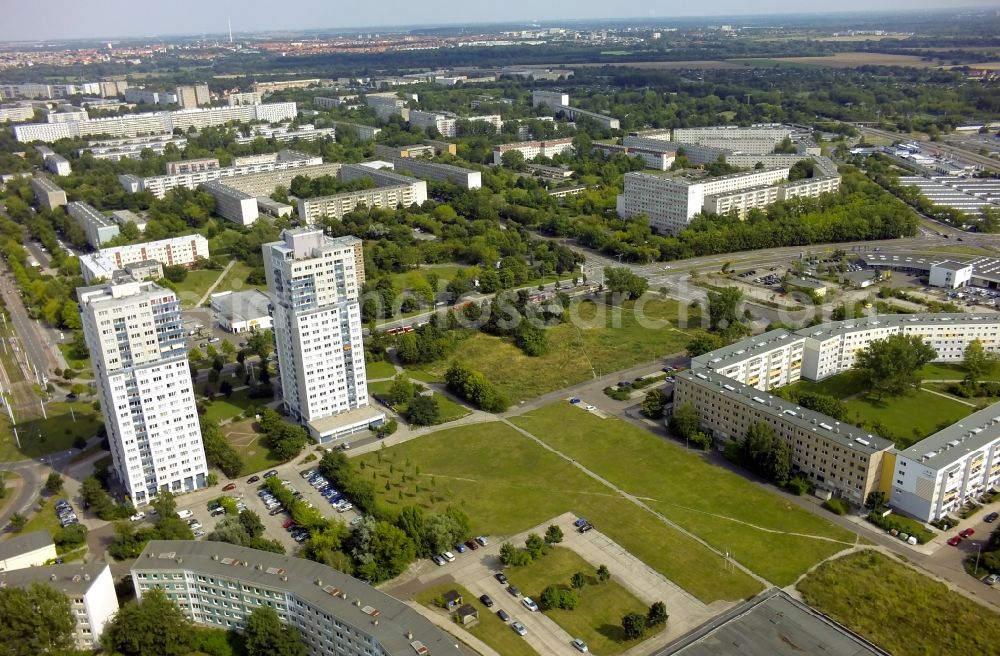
(758, 527)
(898, 608)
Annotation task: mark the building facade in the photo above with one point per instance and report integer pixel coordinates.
(27, 550)
(391, 190)
(315, 283)
(192, 165)
(532, 149)
(137, 343)
(47, 193)
(950, 274)
(219, 585)
(96, 226)
(185, 251)
(465, 178)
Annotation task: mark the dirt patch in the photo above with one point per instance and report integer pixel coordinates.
(652, 65)
(852, 59)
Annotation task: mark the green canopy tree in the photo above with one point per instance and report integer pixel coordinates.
(36, 620)
(890, 366)
(154, 625)
(267, 635)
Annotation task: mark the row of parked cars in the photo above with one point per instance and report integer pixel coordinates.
(469, 545)
(528, 603)
(330, 493)
(65, 513)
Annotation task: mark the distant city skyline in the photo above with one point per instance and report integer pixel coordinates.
(62, 19)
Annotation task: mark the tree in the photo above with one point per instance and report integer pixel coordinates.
(724, 314)
(267, 635)
(634, 626)
(250, 521)
(175, 272)
(226, 389)
(685, 420)
(401, 391)
(18, 522)
(977, 361)
(424, 411)
(35, 620)
(657, 614)
(876, 499)
(553, 534)
(513, 159)
(621, 280)
(70, 537)
(653, 404)
(54, 483)
(766, 454)
(890, 366)
(703, 343)
(535, 545)
(154, 625)
(165, 504)
(508, 553)
(578, 580)
(603, 573)
(555, 596)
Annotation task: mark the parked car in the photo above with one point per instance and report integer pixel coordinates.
(992, 517)
(579, 645)
(482, 541)
(585, 528)
(514, 590)
(184, 514)
(438, 560)
(276, 511)
(356, 521)
(502, 614)
(574, 400)
(218, 511)
(472, 544)
(955, 541)
(486, 601)
(253, 479)
(991, 579)
(449, 556)
(460, 548)
(519, 628)
(530, 604)
(269, 474)
(500, 576)
(138, 516)
(229, 488)
(968, 533)
(288, 524)
(580, 522)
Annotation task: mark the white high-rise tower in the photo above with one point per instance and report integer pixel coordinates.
(139, 354)
(315, 282)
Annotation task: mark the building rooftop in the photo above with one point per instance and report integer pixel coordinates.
(72, 579)
(951, 265)
(944, 447)
(835, 328)
(807, 283)
(847, 436)
(352, 601)
(326, 425)
(772, 624)
(92, 214)
(45, 184)
(242, 306)
(719, 358)
(24, 543)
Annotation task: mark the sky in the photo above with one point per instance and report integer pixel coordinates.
(66, 19)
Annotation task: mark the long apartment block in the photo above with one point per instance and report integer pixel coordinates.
(98, 227)
(48, 194)
(185, 250)
(241, 199)
(532, 149)
(391, 189)
(729, 389)
(132, 125)
(219, 585)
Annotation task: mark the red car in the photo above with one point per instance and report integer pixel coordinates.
(288, 524)
(472, 544)
(967, 533)
(955, 541)
(229, 488)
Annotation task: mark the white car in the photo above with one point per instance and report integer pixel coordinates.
(580, 645)
(530, 604)
(590, 407)
(449, 556)
(184, 514)
(138, 516)
(519, 628)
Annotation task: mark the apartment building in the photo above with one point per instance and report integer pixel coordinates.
(391, 190)
(219, 585)
(121, 217)
(164, 122)
(192, 165)
(244, 98)
(286, 133)
(67, 114)
(137, 343)
(835, 456)
(184, 251)
(773, 132)
(36, 90)
(280, 85)
(144, 96)
(14, 113)
(315, 282)
(767, 361)
(47, 193)
(443, 122)
(241, 199)
(660, 159)
(939, 474)
(118, 149)
(388, 103)
(321, 102)
(96, 226)
(193, 95)
(363, 132)
(551, 98)
(27, 550)
(532, 149)
(161, 184)
(575, 114)
(89, 587)
(465, 178)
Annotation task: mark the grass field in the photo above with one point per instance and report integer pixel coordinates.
(43, 436)
(9, 478)
(907, 418)
(600, 339)
(43, 520)
(246, 439)
(597, 619)
(852, 60)
(448, 409)
(414, 277)
(490, 628)
(236, 280)
(901, 610)
(195, 285)
(733, 514)
(223, 409)
(507, 484)
(381, 369)
(944, 371)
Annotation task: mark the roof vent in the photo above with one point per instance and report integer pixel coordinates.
(180, 561)
(319, 582)
(53, 577)
(86, 577)
(409, 634)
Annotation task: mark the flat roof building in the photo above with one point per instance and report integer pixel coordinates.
(27, 550)
(950, 274)
(465, 178)
(184, 250)
(391, 190)
(47, 193)
(96, 226)
(192, 165)
(334, 612)
(89, 587)
(240, 312)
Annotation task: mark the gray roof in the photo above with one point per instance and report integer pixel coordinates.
(20, 544)
(807, 283)
(719, 358)
(846, 435)
(71, 579)
(242, 306)
(834, 328)
(316, 584)
(951, 265)
(772, 624)
(859, 276)
(944, 447)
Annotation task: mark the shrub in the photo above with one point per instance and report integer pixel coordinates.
(798, 485)
(837, 506)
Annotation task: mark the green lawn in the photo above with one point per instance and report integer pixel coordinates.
(43, 436)
(195, 285)
(246, 439)
(506, 483)
(901, 610)
(597, 619)
(84, 366)
(43, 520)
(381, 369)
(942, 371)
(449, 410)
(236, 280)
(602, 339)
(7, 482)
(222, 409)
(415, 277)
(490, 628)
(723, 508)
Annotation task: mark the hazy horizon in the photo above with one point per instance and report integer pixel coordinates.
(64, 20)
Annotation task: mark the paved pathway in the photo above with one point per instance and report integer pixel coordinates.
(218, 281)
(444, 621)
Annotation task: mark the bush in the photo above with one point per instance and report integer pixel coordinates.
(555, 596)
(798, 485)
(70, 538)
(619, 393)
(837, 506)
(902, 525)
